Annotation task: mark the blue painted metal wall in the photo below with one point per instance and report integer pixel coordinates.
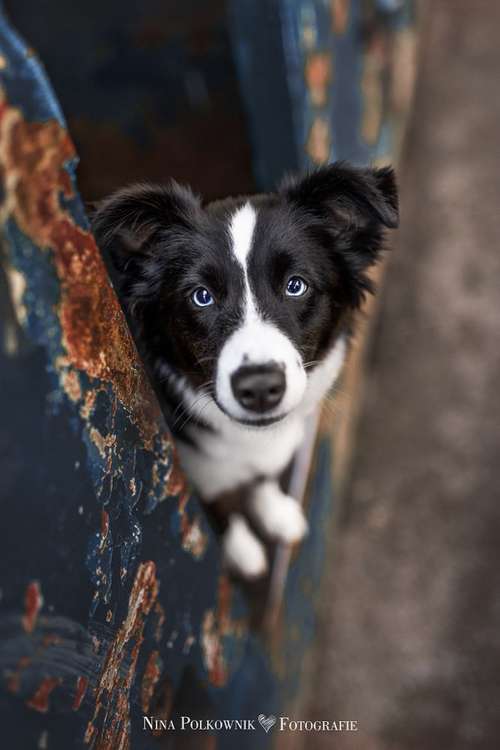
(113, 603)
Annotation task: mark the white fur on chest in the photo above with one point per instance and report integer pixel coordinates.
(239, 455)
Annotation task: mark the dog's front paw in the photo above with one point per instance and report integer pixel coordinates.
(243, 553)
(280, 516)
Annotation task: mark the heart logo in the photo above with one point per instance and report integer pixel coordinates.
(267, 722)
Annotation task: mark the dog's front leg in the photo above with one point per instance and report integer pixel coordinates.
(278, 515)
(243, 553)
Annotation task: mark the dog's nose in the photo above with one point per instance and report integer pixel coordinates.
(258, 388)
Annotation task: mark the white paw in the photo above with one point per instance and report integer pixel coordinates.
(280, 516)
(243, 553)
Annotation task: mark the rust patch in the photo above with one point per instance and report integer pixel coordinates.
(81, 689)
(150, 679)
(162, 708)
(168, 479)
(14, 678)
(318, 74)
(319, 141)
(71, 385)
(372, 89)
(50, 639)
(95, 334)
(160, 613)
(176, 482)
(102, 443)
(340, 15)
(194, 539)
(17, 286)
(216, 626)
(40, 700)
(88, 404)
(104, 528)
(112, 693)
(33, 602)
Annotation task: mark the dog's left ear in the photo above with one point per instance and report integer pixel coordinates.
(348, 198)
(347, 210)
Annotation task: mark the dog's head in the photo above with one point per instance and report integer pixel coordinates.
(246, 298)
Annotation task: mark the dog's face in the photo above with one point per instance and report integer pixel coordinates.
(245, 298)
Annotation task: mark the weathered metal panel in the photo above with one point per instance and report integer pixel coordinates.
(113, 602)
(112, 597)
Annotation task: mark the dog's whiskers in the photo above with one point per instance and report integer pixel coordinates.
(207, 385)
(189, 410)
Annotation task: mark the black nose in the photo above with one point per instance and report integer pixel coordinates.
(258, 388)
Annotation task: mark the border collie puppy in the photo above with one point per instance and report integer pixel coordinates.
(242, 310)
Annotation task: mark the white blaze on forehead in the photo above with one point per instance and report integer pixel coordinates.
(242, 230)
(256, 340)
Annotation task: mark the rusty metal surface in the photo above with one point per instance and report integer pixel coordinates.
(112, 600)
(112, 595)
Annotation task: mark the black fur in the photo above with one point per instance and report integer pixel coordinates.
(162, 243)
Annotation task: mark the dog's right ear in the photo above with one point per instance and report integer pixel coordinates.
(129, 225)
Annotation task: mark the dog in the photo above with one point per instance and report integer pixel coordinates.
(242, 310)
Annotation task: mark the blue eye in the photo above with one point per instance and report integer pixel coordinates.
(202, 297)
(296, 287)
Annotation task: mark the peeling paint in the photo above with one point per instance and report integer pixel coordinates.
(33, 602)
(340, 15)
(13, 679)
(319, 141)
(194, 539)
(109, 727)
(217, 626)
(160, 614)
(40, 700)
(104, 528)
(17, 286)
(88, 404)
(71, 385)
(81, 689)
(318, 75)
(103, 443)
(95, 335)
(150, 679)
(168, 479)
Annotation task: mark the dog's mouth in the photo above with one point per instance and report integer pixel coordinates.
(262, 422)
(249, 422)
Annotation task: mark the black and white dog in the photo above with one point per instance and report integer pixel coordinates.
(242, 310)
